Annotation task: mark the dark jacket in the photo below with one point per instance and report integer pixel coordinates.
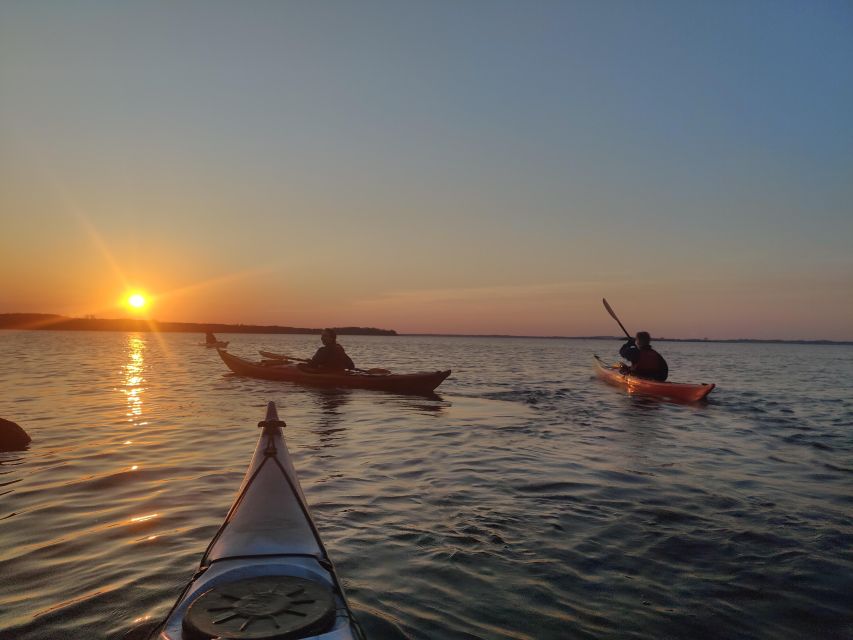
(331, 358)
(645, 362)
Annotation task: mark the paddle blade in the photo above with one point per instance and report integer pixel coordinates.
(615, 317)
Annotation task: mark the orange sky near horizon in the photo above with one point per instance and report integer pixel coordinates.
(190, 276)
(677, 308)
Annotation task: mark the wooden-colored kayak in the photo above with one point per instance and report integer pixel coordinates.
(418, 383)
(680, 391)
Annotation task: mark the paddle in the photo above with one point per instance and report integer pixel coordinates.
(615, 317)
(280, 356)
(376, 371)
(612, 313)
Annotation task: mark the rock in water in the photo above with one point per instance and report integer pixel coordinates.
(12, 437)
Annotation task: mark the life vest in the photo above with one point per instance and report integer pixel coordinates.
(650, 364)
(331, 358)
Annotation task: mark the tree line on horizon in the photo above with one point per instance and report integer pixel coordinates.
(49, 321)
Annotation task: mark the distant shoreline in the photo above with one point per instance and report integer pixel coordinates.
(622, 338)
(53, 322)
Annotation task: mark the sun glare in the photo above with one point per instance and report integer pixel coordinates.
(137, 301)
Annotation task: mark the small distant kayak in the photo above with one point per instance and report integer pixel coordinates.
(680, 391)
(219, 344)
(279, 369)
(266, 574)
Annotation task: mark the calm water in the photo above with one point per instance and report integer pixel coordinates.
(527, 500)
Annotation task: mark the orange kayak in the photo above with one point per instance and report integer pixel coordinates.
(680, 391)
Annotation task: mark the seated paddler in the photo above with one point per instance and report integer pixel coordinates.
(331, 356)
(645, 361)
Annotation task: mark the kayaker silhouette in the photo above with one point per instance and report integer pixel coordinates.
(331, 356)
(645, 361)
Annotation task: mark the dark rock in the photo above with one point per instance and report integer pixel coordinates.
(12, 437)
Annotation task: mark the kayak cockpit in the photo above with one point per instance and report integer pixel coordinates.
(261, 598)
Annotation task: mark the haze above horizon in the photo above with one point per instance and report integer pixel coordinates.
(484, 168)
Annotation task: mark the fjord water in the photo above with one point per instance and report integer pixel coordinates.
(526, 500)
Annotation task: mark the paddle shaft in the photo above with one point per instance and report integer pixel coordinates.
(368, 371)
(373, 372)
(615, 317)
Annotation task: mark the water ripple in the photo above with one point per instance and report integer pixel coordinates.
(526, 500)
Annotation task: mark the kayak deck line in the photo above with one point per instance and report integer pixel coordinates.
(678, 391)
(266, 573)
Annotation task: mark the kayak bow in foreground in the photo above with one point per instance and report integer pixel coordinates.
(418, 383)
(266, 574)
(680, 391)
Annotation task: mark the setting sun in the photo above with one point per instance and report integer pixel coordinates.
(137, 301)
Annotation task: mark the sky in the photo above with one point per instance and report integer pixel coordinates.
(432, 167)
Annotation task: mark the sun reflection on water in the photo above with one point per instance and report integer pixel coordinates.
(133, 378)
(145, 518)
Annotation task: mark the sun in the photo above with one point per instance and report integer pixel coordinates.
(136, 300)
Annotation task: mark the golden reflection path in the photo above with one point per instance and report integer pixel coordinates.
(133, 389)
(133, 378)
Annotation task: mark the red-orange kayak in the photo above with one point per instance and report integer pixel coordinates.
(416, 383)
(673, 390)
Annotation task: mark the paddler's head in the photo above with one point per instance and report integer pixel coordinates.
(643, 339)
(329, 337)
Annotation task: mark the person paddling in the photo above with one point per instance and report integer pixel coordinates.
(645, 361)
(331, 356)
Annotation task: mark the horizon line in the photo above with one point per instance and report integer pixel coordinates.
(225, 327)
